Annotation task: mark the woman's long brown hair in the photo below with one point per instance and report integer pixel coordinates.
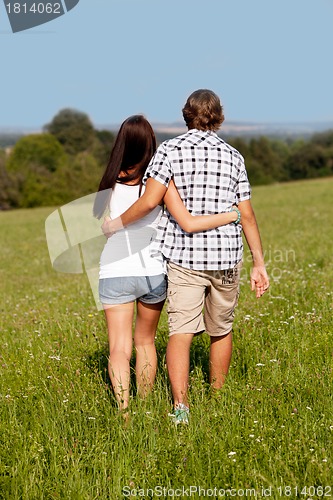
(133, 149)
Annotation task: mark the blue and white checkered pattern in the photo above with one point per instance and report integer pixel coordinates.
(210, 176)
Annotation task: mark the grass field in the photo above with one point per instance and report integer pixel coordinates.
(268, 433)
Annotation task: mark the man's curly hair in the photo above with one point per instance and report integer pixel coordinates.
(203, 110)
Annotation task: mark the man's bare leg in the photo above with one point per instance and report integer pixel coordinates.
(178, 363)
(219, 359)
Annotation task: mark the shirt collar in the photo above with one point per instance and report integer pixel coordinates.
(203, 132)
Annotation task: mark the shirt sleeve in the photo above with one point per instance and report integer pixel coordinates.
(159, 167)
(243, 191)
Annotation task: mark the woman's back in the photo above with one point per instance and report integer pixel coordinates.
(127, 253)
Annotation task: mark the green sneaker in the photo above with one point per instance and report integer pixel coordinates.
(181, 414)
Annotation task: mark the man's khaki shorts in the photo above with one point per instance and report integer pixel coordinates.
(190, 291)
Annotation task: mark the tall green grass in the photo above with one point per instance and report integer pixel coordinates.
(270, 427)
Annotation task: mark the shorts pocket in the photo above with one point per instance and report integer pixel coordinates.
(171, 305)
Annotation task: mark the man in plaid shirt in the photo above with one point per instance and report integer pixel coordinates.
(203, 267)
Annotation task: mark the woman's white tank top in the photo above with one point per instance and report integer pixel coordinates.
(127, 252)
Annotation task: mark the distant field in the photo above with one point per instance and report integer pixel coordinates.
(270, 428)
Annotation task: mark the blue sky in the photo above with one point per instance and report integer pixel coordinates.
(268, 61)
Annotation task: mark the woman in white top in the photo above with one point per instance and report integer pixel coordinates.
(129, 274)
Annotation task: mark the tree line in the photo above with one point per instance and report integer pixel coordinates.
(67, 161)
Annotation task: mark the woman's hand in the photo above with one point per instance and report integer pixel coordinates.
(235, 213)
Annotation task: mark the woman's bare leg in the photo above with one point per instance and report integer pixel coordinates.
(119, 322)
(144, 340)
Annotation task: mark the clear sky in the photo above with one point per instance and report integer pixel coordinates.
(269, 61)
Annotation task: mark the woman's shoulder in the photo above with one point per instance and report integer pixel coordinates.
(124, 195)
(121, 186)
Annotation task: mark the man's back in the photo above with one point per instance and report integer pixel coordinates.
(210, 177)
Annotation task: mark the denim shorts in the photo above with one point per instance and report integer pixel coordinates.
(147, 289)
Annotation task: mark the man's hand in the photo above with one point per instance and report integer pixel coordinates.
(259, 280)
(107, 227)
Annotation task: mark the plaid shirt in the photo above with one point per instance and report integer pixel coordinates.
(210, 177)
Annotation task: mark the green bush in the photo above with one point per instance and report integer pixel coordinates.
(36, 149)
